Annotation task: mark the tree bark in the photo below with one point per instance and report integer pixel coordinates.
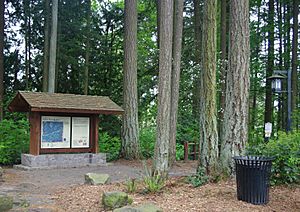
(197, 59)
(223, 41)
(164, 87)
(158, 8)
(27, 42)
(46, 46)
(280, 63)
(295, 62)
(287, 59)
(208, 116)
(53, 44)
(87, 49)
(1, 59)
(177, 41)
(255, 79)
(237, 88)
(130, 129)
(270, 64)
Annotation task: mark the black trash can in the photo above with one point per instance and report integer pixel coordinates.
(252, 178)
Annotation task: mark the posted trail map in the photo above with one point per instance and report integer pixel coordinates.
(55, 132)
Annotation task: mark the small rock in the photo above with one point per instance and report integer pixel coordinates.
(96, 179)
(116, 199)
(126, 209)
(6, 203)
(149, 207)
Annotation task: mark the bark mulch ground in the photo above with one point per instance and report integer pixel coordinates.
(180, 196)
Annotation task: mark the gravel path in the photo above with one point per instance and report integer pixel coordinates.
(36, 187)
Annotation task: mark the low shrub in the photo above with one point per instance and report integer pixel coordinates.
(198, 179)
(286, 153)
(14, 140)
(110, 145)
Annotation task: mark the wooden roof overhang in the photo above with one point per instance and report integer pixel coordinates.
(26, 101)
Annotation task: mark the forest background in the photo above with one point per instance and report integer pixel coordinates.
(90, 59)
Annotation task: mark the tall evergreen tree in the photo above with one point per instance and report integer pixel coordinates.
(223, 40)
(197, 59)
(270, 64)
(130, 128)
(1, 58)
(295, 61)
(237, 85)
(177, 41)
(87, 48)
(161, 155)
(46, 45)
(208, 116)
(53, 45)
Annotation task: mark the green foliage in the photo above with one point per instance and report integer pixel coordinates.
(131, 185)
(110, 145)
(286, 153)
(147, 142)
(154, 181)
(14, 140)
(199, 178)
(179, 152)
(187, 130)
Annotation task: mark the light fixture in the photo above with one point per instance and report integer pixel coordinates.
(276, 82)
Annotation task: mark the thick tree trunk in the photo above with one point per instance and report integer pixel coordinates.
(270, 64)
(237, 89)
(161, 155)
(255, 79)
(197, 59)
(208, 117)
(46, 46)
(1, 58)
(287, 59)
(87, 49)
(177, 41)
(53, 44)
(130, 128)
(295, 61)
(222, 94)
(158, 6)
(27, 42)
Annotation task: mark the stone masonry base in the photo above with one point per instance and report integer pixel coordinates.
(48, 161)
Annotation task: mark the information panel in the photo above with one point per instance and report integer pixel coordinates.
(80, 132)
(55, 132)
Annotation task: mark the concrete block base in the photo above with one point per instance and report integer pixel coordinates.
(47, 161)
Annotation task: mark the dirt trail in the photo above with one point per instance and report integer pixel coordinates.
(36, 187)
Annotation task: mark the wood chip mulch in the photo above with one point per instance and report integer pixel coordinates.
(179, 196)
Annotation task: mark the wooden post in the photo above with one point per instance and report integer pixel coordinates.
(35, 133)
(94, 133)
(186, 151)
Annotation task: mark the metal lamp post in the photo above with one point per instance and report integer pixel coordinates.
(277, 77)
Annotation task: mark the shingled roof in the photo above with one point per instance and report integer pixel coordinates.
(26, 101)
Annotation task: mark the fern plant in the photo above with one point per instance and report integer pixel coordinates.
(154, 180)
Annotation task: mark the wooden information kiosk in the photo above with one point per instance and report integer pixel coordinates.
(63, 123)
